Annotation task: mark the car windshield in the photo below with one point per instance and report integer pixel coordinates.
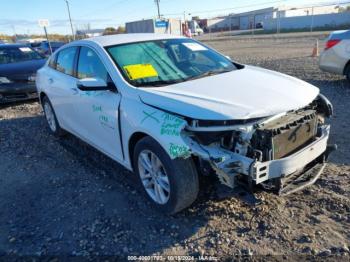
(18, 54)
(165, 62)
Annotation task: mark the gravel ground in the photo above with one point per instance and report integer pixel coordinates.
(64, 198)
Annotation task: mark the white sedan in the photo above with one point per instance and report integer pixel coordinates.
(336, 56)
(171, 109)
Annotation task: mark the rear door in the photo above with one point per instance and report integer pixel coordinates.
(96, 112)
(62, 87)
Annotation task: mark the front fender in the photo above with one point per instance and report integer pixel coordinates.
(162, 126)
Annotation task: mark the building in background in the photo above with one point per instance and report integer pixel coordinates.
(158, 26)
(305, 11)
(302, 16)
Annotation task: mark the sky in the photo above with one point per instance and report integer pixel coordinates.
(21, 16)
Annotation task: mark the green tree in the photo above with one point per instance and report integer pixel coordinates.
(121, 30)
(110, 31)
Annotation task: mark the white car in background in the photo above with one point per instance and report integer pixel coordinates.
(170, 109)
(336, 56)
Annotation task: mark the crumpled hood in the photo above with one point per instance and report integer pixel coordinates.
(247, 93)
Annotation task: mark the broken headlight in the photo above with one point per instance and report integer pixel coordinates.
(324, 106)
(226, 139)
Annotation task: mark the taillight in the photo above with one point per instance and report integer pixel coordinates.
(331, 43)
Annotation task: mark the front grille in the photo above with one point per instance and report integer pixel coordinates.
(15, 96)
(285, 135)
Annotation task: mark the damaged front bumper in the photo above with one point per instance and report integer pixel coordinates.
(307, 163)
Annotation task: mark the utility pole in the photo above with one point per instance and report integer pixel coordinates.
(312, 19)
(70, 19)
(48, 41)
(14, 32)
(157, 3)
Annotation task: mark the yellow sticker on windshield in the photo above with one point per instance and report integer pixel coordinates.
(140, 71)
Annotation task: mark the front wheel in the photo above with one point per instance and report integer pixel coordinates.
(171, 185)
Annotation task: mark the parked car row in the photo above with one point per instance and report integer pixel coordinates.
(18, 66)
(44, 47)
(19, 63)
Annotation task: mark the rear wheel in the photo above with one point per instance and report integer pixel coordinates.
(347, 72)
(171, 185)
(51, 118)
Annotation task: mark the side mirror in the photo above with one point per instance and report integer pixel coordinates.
(228, 57)
(94, 84)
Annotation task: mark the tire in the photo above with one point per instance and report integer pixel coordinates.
(51, 119)
(347, 72)
(181, 175)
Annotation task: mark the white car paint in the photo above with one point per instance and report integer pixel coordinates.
(336, 58)
(108, 120)
(240, 94)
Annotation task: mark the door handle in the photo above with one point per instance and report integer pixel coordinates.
(50, 80)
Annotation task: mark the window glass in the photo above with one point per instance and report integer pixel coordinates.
(90, 65)
(65, 60)
(52, 62)
(164, 62)
(16, 54)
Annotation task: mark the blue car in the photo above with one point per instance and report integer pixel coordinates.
(18, 66)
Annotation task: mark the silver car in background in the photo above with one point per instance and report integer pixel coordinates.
(336, 56)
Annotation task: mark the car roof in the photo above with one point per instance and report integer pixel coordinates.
(109, 40)
(12, 45)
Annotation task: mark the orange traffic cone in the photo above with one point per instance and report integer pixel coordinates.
(315, 50)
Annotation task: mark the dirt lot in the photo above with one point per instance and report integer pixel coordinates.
(62, 197)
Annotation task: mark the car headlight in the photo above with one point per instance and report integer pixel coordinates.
(4, 80)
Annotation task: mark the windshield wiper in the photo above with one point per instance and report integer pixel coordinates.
(158, 83)
(208, 73)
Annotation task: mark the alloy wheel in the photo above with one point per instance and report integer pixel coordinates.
(50, 117)
(154, 177)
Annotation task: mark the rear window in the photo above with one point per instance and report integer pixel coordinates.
(16, 54)
(65, 60)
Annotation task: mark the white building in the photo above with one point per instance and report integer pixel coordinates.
(249, 20)
(319, 10)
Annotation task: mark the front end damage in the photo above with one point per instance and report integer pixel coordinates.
(283, 153)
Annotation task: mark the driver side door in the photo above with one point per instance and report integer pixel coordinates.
(97, 111)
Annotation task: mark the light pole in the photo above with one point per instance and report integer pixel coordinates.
(70, 19)
(157, 3)
(312, 19)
